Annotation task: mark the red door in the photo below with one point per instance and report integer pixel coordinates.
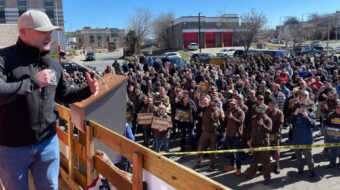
(189, 37)
(210, 39)
(227, 39)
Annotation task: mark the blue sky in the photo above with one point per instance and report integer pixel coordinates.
(115, 13)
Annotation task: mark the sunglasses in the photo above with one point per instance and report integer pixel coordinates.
(337, 107)
(260, 98)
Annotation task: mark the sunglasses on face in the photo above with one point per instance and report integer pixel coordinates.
(337, 107)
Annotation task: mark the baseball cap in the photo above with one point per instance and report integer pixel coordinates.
(162, 106)
(36, 20)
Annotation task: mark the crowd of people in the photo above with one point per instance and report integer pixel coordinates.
(245, 102)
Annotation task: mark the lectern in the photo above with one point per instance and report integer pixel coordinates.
(107, 108)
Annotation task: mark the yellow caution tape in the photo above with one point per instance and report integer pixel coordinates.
(269, 148)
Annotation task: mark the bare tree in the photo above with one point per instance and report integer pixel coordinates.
(141, 24)
(160, 28)
(291, 31)
(249, 27)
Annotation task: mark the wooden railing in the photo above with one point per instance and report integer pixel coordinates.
(80, 151)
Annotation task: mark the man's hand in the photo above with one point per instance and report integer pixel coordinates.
(260, 122)
(44, 77)
(249, 144)
(324, 96)
(325, 106)
(304, 113)
(93, 84)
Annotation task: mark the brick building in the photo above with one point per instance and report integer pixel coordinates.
(10, 10)
(108, 38)
(214, 31)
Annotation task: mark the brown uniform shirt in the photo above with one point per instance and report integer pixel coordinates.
(234, 125)
(211, 119)
(259, 134)
(277, 118)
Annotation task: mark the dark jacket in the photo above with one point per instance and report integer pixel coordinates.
(26, 117)
(302, 128)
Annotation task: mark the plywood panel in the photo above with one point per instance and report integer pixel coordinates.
(111, 173)
(178, 176)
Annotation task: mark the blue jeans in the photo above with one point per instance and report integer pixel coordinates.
(234, 143)
(160, 143)
(333, 150)
(42, 159)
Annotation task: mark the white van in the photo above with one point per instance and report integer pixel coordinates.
(192, 46)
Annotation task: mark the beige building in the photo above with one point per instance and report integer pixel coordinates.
(10, 10)
(100, 38)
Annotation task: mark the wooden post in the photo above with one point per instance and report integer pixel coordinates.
(137, 171)
(89, 154)
(71, 152)
(1, 186)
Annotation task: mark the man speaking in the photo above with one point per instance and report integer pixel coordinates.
(30, 81)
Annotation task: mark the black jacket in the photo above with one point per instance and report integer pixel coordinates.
(26, 117)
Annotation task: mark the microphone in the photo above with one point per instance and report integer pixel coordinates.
(44, 89)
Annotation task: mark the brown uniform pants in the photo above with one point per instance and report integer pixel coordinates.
(205, 136)
(262, 156)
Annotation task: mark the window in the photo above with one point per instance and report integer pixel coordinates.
(202, 24)
(184, 25)
(218, 25)
(48, 3)
(91, 39)
(22, 7)
(22, 3)
(2, 12)
(50, 10)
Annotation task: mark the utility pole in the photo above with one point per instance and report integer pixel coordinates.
(336, 33)
(199, 30)
(329, 26)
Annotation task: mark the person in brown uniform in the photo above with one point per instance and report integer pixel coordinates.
(260, 126)
(233, 131)
(211, 119)
(147, 107)
(277, 117)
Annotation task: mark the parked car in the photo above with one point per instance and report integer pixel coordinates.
(274, 53)
(303, 50)
(179, 62)
(71, 67)
(330, 50)
(203, 57)
(314, 44)
(225, 52)
(337, 49)
(167, 54)
(319, 49)
(90, 56)
(192, 46)
(241, 52)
